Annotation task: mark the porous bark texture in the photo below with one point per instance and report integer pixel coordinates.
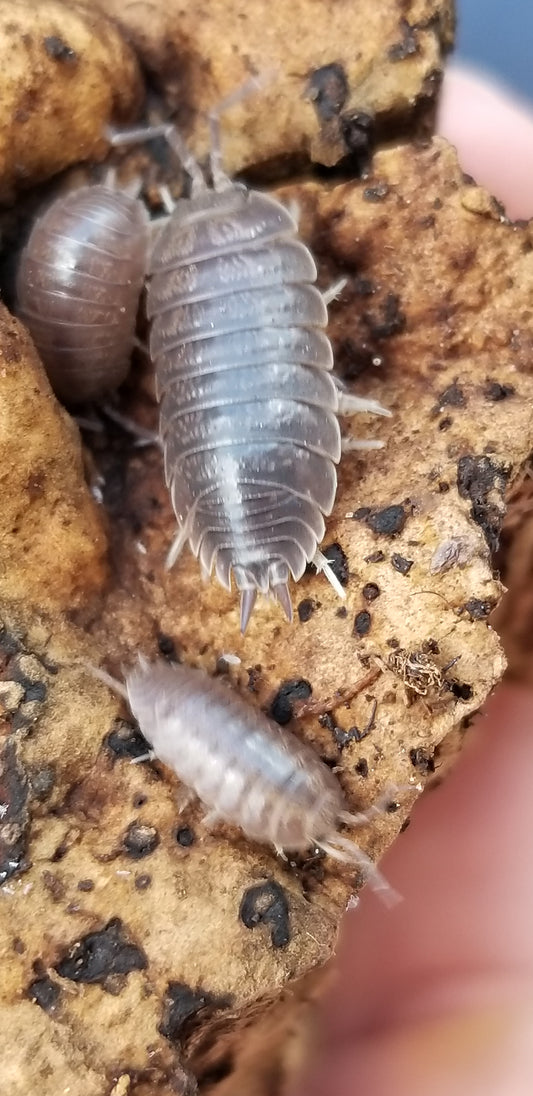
(66, 73)
(142, 954)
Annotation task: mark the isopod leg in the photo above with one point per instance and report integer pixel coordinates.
(333, 291)
(348, 404)
(169, 204)
(210, 819)
(110, 178)
(177, 546)
(219, 178)
(382, 804)
(142, 436)
(106, 679)
(322, 564)
(348, 445)
(138, 134)
(340, 848)
(184, 797)
(148, 756)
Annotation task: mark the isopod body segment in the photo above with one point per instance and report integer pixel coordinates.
(79, 281)
(248, 405)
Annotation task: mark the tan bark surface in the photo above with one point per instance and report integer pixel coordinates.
(330, 69)
(135, 945)
(66, 72)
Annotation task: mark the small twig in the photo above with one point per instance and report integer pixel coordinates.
(341, 696)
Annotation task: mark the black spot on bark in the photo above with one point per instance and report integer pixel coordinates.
(101, 954)
(401, 564)
(15, 819)
(185, 1008)
(477, 609)
(376, 193)
(387, 522)
(453, 396)
(306, 609)
(167, 647)
(371, 591)
(142, 882)
(266, 904)
(185, 837)
(483, 481)
(281, 706)
(421, 760)
(58, 50)
(33, 690)
(342, 737)
(495, 392)
(359, 135)
(328, 90)
(461, 690)
(408, 44)
(375, 557)
(126, 741)
(140, 840)
(9, 643)
(42, 781)
(353, 359)
(338, 562)
(361, 767)
(362, 623)
(45, 993)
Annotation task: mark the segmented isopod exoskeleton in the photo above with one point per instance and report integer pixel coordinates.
(248, 405)
(78, 286)
(244, 768)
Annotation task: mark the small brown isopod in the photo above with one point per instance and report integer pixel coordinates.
(79, 281)
(245, 769)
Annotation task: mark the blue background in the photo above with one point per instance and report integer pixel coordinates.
(497, 35)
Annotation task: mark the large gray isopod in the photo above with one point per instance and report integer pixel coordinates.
(249, 407)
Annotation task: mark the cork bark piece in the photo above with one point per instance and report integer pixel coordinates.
(66, 72)
(52, 533)
(131, 918)
(332, 71)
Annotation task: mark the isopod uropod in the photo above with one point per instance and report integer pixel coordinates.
(244, 768)
(248, 415)
(79, 281)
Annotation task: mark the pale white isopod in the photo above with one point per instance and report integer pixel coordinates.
(244, 768)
